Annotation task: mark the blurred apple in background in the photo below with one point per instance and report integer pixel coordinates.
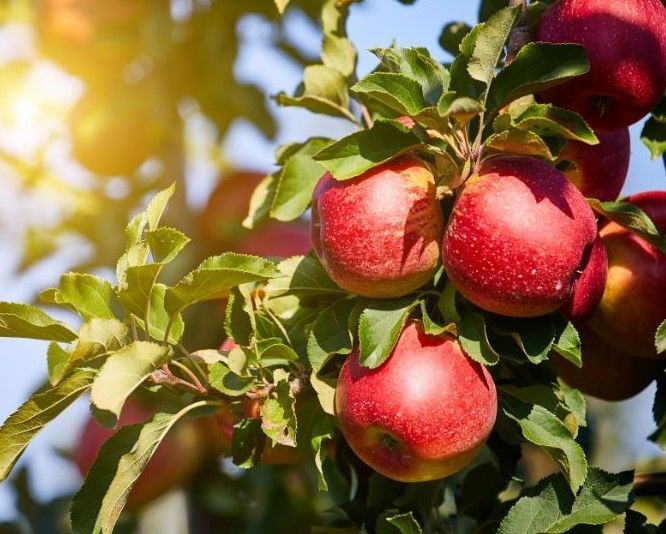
(176, 459)
(221, 222)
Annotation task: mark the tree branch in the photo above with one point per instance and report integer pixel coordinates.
(650, 484)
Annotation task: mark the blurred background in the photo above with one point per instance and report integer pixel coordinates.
(103, 102)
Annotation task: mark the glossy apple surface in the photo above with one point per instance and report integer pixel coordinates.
(589, 287)
(600, 170)
(517, 236)
(633, 304)
(377, 235)
(625, 42)
(425, 413)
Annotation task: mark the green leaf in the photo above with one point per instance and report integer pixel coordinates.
(303, 276)
(660, 338)
(41, 408)
(462, 82)
(322, 432)
(517, 141)
(337, 52)
(261, 202)
(544, 429)
(396, 92)
(325, 390)
(416, 64)
(550, 507)
(158, 205)
(536, 67)
(247, 443)
(134, 256)
(281, 5)
(226, 381)
(296, 181)
(360, 151)
(135, 292)
(88, 295)
(489, 44)
(659, 412)
(239, 323)
(158, 318)
(452, 35)
(653, 136)
(278, 416)
(99, 502)
(474, 340)
(324, 91)
(400, 524)
(330, 334)
(122, 373)
(380, 326)
(165, 243)
(214, 277)
(550, 121)
(462, 108)
(26, 321)
(56, 362)
(632, 218)
(567, 344)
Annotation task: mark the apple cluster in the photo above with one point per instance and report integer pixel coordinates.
(520, 241)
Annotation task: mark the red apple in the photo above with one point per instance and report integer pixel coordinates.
(607, 373)
(377, 235)
(517, 236)
(221, 222)
(625, 42)
(589, 287)
(600, 170)
(634, 300)
(174, 462)
(424, 414)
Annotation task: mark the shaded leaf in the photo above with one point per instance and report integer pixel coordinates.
(303, 276)
(226, 381)
(330, 334)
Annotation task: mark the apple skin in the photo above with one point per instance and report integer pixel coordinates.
(424, 414)
(601, 170)
(589, 287)
(220, 222)
(517, 236)
(626, 45)
(607, 373)
(633, 303)
(377, 235)
(176, 459)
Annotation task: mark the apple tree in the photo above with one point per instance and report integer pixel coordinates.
(463, 292)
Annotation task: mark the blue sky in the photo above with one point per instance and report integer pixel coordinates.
(373, 23)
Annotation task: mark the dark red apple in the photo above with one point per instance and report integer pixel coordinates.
(175, 460)
(625, 42)
(600, 170)
(424, 414)
(634, 300)
(517, 237)
(607, 373)
(589, 287)
(377, 235)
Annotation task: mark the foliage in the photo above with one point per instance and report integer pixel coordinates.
(293, 327)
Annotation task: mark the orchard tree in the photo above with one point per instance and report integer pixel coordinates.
(463, 282)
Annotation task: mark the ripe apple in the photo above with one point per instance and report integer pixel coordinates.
(377, 235)
(633, 304)
(221, 222)
(626, 45)
(517, 236)
(174, 462)
(607, 373)
(113, 134)
(589, 287)
(600, 170)
(424, 414)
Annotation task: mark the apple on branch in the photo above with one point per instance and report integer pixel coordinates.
(423, 414)
(377, 235)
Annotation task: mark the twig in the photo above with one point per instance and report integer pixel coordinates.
(191, 376)
(650, 484)
(366, 116)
